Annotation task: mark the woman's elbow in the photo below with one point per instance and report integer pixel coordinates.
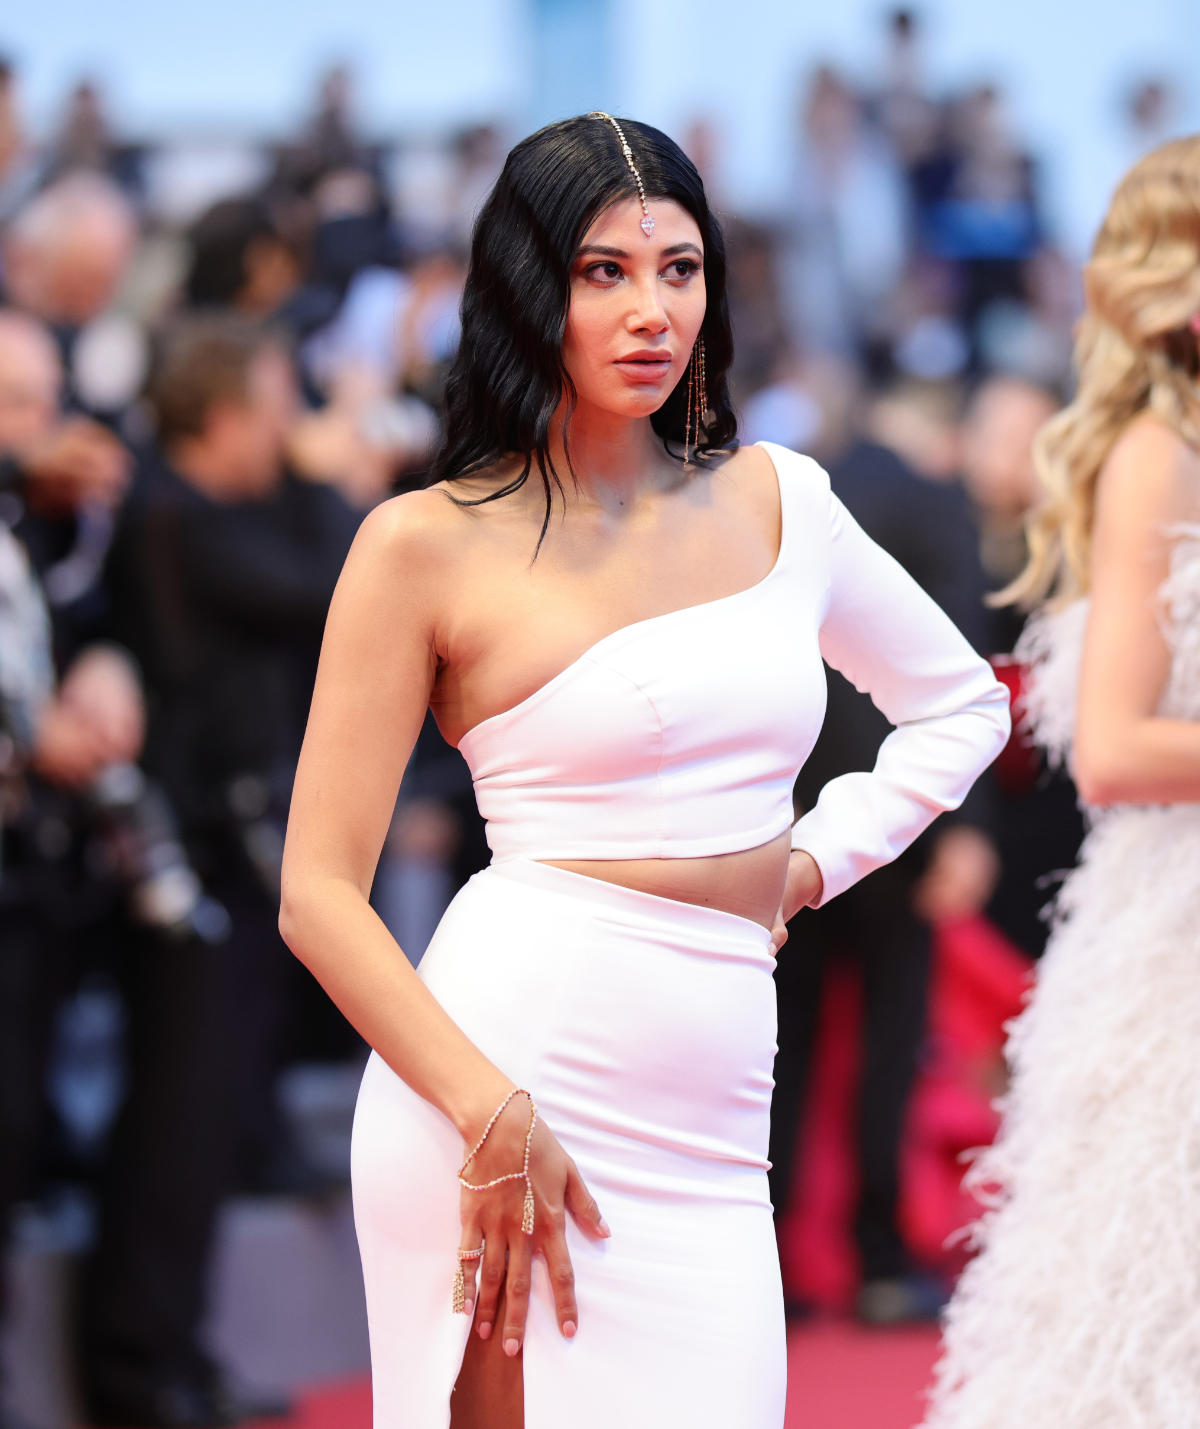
(292, 921)
(1100, 768)
(995, 707)
(314, 901)
(1098, 780)
(297, 911)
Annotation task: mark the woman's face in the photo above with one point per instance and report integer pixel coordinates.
(636, 306)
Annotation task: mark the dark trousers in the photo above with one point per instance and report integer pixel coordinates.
(202, 1023)
(32, 982)
(873, 925)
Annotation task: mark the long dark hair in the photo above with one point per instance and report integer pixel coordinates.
(507, 379)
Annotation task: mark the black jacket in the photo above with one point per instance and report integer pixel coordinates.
(223, 605)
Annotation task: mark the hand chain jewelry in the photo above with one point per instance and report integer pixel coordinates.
(647, 223)
(460, 1288)
(697, 400)
(460, 1280)
(522, 1174)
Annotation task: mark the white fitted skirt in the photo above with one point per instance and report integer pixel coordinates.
(645, 1029)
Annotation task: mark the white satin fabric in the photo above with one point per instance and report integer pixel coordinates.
(681, 735)
(646, 1030)
(644, 1027)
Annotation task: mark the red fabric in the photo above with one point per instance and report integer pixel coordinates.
(1018, 765)
(979, 983)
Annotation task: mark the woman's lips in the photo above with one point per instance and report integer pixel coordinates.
(638, 369)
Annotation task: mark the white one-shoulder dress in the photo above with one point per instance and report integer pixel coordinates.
(1082, 1308)
(645, 1027)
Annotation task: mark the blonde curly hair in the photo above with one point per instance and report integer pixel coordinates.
(1135, 350)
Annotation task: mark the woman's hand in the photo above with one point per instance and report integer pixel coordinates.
(803, 886)
(492, 1219)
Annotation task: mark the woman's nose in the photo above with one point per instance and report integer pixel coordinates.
(648, 313)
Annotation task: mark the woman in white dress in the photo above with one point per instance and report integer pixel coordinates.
(627, 651)
(1082, 1308)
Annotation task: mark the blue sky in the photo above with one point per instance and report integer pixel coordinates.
(238, 65)
(252, 62)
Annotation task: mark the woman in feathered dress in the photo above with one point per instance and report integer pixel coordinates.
(1081, 1309)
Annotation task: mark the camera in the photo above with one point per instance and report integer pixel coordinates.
(140, 841)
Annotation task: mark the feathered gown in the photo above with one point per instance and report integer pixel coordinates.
(1082, 1308)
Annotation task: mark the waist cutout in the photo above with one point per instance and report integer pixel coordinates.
(733, 934)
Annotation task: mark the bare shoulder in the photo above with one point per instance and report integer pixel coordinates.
(751, 473)
(1151, 476)
(415, 536)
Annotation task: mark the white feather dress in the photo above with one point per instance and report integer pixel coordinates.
(1081, 1309)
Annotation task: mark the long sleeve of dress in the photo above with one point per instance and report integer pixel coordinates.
(950, 713)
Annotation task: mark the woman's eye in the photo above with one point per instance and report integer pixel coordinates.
(683, 268)
(609, 270)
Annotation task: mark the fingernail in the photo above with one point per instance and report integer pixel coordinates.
(484, 1329)
(605, 1228)
(569, 1328)
(468, 1306)
(511, 1347)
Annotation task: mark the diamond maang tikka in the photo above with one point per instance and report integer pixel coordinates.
(647, 223)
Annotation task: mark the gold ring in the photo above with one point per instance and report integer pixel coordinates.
(470, 1254)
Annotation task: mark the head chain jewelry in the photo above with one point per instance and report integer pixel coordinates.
(647, 224)
(697, 400)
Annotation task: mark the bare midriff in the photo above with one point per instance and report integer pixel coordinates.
(748, 883)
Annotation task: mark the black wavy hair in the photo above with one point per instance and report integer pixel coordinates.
(221, 240)
(507, 378)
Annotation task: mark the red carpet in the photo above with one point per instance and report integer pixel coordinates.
(843, 1377)
(839, 1377)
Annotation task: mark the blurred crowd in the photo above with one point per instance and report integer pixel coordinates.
(214, 359)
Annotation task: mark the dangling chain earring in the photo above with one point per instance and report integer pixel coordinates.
(697, 400)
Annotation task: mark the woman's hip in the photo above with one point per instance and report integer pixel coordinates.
(645, 1028)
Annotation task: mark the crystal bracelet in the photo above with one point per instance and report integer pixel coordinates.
(521, 1175)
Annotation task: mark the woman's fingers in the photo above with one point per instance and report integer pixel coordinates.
(491, 1282)
(583, 1207)
(516, 1292)
(505, 1268)
(562, 1276)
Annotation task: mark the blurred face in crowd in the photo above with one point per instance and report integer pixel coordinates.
(636, 307)
(272, 275)
(998, 445)
(66, 258)
(247, 439)
(30, 381)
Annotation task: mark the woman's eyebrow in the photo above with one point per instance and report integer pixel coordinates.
(605, 252)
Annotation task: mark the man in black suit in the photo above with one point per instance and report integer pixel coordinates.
(220, 576)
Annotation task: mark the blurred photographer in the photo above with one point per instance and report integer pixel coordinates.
(220, 574)
(59, 738)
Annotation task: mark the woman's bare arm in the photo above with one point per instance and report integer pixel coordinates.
(377, 667)
(1124, 751)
